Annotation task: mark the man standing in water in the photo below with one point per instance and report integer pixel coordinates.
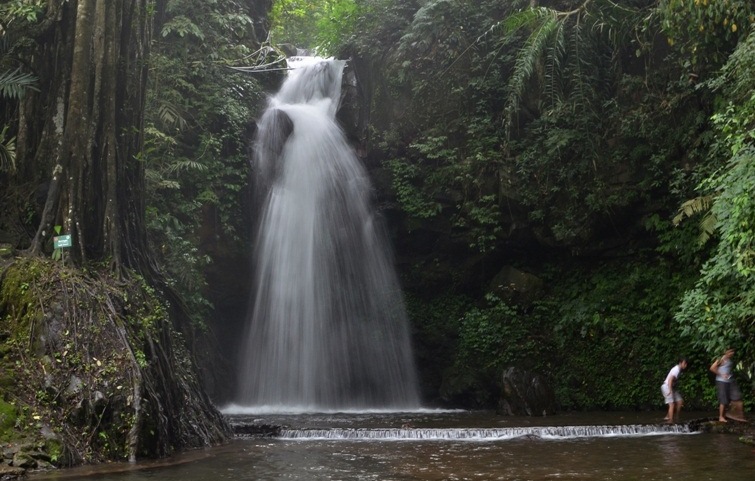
(670, 391)
(727, 390)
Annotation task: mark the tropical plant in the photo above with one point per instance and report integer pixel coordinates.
(699, 205)
(195, 154)
(617, 317)
(490, 338)
(14, 80)
(718, 311)
(540, 73)
(19, 11)
(371, 29)
(315, 25)
(14, 83)
(447, 169)
(707, 30)
(7, 151)
(571, 55)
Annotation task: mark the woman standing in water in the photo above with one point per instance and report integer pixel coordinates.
(727, 389)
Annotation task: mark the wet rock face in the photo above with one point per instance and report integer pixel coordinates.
(525, 394)
(353, 110)
(256, 429)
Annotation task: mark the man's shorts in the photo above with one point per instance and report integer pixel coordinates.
(670, 397)
(728, 392)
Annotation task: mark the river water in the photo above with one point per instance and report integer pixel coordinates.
(438, 446)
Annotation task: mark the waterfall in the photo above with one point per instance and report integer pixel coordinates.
(327, 328)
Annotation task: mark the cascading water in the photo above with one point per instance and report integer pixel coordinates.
(487, 434)
(328, 328)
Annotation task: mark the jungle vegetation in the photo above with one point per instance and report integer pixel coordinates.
(603, 147)
(102, 138)
(567, 182)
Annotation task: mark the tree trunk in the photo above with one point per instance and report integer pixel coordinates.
(83, 129)
(96, 187)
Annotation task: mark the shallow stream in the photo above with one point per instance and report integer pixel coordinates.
(433, 445)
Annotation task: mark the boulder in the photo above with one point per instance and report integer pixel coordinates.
(525, 393)
(11, 472)
(512, 284)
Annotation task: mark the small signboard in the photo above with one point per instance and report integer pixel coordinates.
(62, 241)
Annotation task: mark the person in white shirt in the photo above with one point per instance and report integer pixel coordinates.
(670, 391)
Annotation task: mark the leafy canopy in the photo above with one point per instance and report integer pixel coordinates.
(707, 30)
(315, 25)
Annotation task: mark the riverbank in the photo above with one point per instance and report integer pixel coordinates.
(92, 370)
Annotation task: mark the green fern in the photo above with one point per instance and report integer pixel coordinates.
(553, 87)
(185, 165)
(170, 115)
(570, 48)
(7, 152)
(530, 54)
(696, 206)
(13, 84)
(707, 226)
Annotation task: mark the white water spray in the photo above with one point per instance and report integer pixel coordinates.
(328, 328)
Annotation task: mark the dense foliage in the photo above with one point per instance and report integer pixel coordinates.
(312, 24)
(707, 29)
(719, 311)
(197, 131)
(561, 137)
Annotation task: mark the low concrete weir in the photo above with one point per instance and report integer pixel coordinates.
(483, 434)
(479, 434)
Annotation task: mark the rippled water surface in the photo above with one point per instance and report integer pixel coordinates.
(662, 456)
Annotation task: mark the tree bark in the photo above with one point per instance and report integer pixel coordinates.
(84, 130)
(94, 131)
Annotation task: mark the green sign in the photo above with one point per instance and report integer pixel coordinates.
(62, 241)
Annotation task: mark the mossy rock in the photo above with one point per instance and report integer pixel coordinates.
(92, 361)
(6, 251)
(8, 416)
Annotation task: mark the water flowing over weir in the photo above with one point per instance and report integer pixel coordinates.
(328, 328)
(484, 434)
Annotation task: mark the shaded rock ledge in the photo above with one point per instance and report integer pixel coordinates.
(255, 429)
